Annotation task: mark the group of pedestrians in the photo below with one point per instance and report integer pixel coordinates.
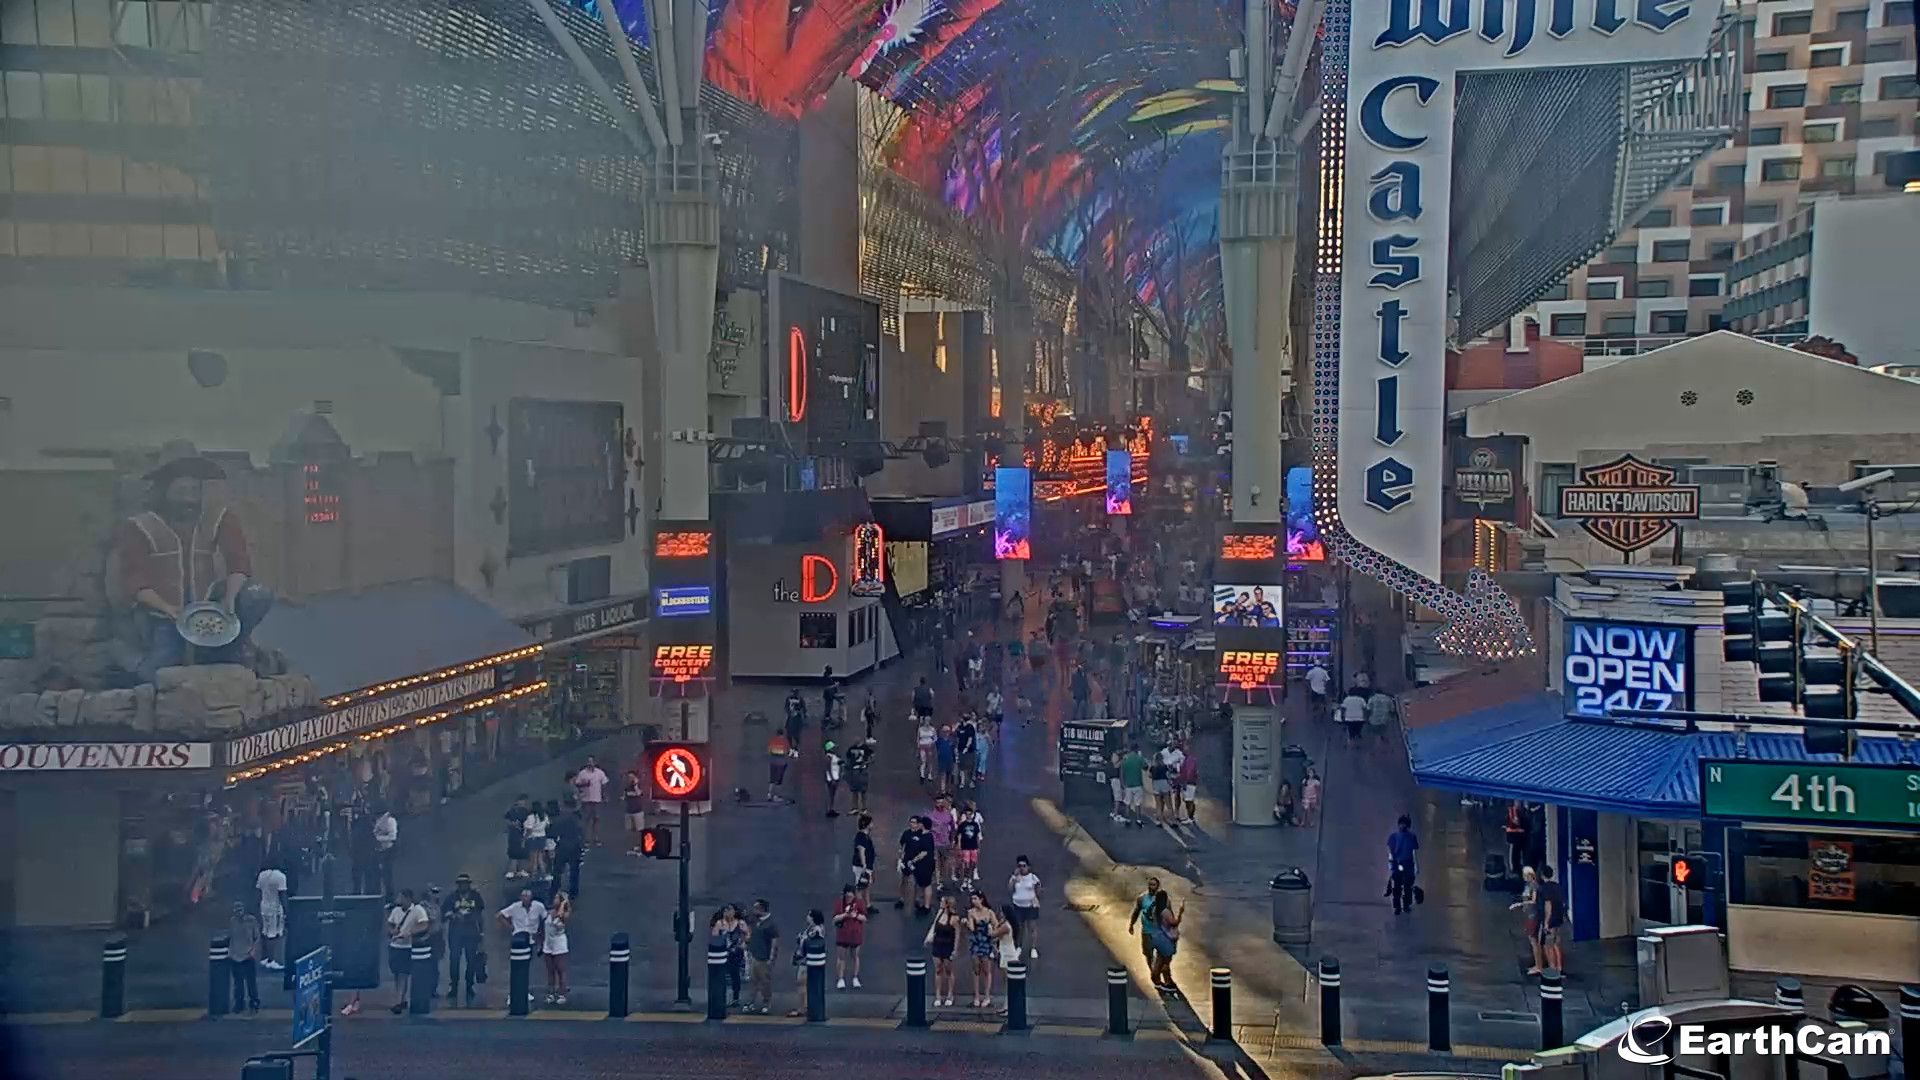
(1171, 774)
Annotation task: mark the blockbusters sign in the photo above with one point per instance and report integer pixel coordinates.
(1404, 60)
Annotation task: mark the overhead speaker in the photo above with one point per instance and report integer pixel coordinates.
(935, 455)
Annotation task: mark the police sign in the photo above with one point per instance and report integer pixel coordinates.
(1615, 665)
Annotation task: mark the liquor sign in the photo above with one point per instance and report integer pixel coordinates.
(1808, 791)
(1396, 99)
(1616, 665)
(678, 771)
(869, 560)
(1485, 478)
(598, 619)
(1627, 503)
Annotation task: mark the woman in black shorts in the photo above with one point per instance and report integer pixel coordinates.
(941, 937)
(636, 810)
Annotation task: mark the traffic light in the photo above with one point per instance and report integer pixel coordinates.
(657, 842)
(1694, 870)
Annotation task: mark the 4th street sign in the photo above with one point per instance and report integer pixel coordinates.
(1820, 792)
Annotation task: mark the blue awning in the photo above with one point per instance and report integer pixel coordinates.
(349, 640)
(1530, 750)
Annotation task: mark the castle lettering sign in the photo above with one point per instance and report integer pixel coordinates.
(358, 717)
(1628, 504)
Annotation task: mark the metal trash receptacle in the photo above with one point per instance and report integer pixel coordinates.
(1854, 1007)
(1292, 907)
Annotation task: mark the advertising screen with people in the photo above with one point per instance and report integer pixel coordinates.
(1119, 482)
(1012, 514)
(1247, 605)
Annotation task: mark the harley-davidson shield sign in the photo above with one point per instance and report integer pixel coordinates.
(1628, 504)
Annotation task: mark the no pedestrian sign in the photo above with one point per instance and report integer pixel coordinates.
(678, 771)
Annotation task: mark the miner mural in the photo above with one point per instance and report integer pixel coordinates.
(182, 570)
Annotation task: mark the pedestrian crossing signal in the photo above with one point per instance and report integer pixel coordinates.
(657, 842)
(1693, 870)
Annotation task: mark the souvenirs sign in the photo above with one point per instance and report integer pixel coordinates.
(1628, 504)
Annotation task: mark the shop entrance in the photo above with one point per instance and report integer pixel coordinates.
(1661, 902)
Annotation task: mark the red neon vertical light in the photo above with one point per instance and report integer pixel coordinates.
(796, 375)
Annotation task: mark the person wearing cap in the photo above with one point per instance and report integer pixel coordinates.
(833, 777)
(182, 550)
(464, 913)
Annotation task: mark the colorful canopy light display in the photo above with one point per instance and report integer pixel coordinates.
(1012, 514)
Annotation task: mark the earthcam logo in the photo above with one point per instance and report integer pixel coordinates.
(1656, 1040)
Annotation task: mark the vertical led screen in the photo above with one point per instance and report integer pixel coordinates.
(1303, 535)
(1012, 514)
(1119, 482)
(1248, 614)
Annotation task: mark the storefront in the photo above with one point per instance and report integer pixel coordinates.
(796, 609)
(936, 548)
(594, 659)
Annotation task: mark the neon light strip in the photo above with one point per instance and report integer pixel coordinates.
(796, 375)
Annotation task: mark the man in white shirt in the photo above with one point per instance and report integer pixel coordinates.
(406, 921)
(386, 836)
(272, 883)
(590, 788)
(1353, 714)
(524, 916)
(1318, 680)
(1024, 885)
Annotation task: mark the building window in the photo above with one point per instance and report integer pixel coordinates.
(1657, 218)
(1569, 326)
(1787, 97)
(1618, 325)
(1837, 168)
(1821, 132)
(1787, 24)
(1770, 61)
(1707, 215)
(1843, 93)
(1553, 477)
(1720, 251)
(1760, 136)
(1603, 289)
(1844, 871)
(1899, 87)
(1669, 322)
(1761, 213)
(1624, 255)
(1880, 127)
(1555, 292)
(1653, 287)
(1780, 169)
(1851, 19)
(1899, 13)
(1728, 176)
(819, 630)
(1704, 286)
(1833, 57)
(1882, 52)
(1880, 162)
(1670, 251)
(1716, 321)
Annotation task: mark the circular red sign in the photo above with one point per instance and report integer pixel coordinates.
(676, 772)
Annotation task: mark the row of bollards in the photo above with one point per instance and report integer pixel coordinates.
(1440, 1007)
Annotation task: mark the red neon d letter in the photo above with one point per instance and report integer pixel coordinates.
(810, 569)
(796, 375)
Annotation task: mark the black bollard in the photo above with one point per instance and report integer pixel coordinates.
(1910, 1028)
(1017, 996)
(816, 981)
(113, 978)
(1117, 1001)
(619, 956)
(1787, 994)
(1329, 1001)
(219, 975)
(1220, 982)
(421, 980)
(917, 991)
(1553, 1029)
(1439, 1019)
(519, 974)
(716, 984)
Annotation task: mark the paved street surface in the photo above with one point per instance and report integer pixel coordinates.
(796, 856)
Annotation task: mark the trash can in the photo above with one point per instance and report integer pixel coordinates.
(1854, 1008)
(1292, 907)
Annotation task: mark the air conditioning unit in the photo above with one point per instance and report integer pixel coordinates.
(1723, 489)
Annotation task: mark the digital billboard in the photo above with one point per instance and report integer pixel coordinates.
(1617, 665)
(1119, 482)
(1012, 514)
(824, 351)
(869, 560)
(1303, 534)
(1256, 605)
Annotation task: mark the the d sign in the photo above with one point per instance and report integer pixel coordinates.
(819, 579)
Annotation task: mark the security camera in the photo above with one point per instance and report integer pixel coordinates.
(1867, 481)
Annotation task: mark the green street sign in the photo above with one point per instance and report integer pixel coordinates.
(16, 641)
(1811, 792)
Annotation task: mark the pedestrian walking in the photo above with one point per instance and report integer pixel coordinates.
(849, 933)
(1402, 844)
(1166, 940)
(1133, 779)
(763, 946)
(243, 950)
(1353, 714)
(589, 791)
(982, 744)
(1551, 903)
(996, 711)
(1186, 786)
(969, 831)
(923, 698)
(1528, 907)
(859, 758)
(534, 826)
(569, 839)
(405, 918)
(925, 740)
(1318, 680)
(919, 863)
(870, 714)
(966, 747)
(554, 947)
(386, 843)
(941, 938)
(815, 930)
(940, 824)
(945, 758)
(272, 884)
(796, 710)
(1024, 885)
(780, 754)
(1143, 916)
(1081, 689)
(1158, 776)
(461, 913)
(1380, 710)
(1114, 761)
(981, 923)
(634, 796)
(1310, 797)
(833, 765)
(863, 861)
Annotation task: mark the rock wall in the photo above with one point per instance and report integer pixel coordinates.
(208, 701)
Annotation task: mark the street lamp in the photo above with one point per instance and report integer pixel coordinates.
(1871, 508)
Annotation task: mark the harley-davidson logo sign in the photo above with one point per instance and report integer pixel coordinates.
(1628, 504)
